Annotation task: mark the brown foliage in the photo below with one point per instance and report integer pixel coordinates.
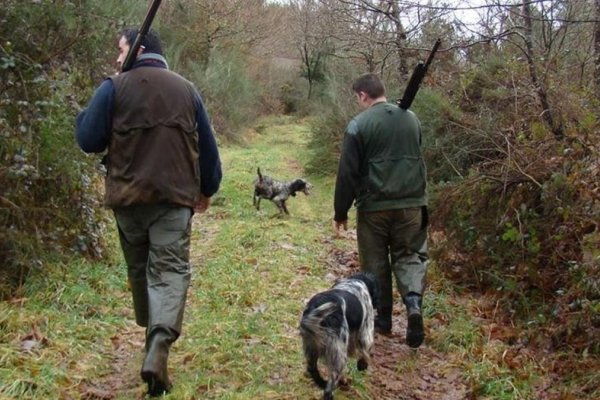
(527, 231)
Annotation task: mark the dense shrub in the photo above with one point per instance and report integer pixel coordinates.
(448, 147)
(331, 110)
(51, 53)
(293, 97)
(232, 96)
(521, 220)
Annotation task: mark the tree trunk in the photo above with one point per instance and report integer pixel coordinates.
(307, 64)
(597, 49)
(548, 115)
(400, 39)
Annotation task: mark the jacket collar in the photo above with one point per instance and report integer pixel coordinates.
(151, 60)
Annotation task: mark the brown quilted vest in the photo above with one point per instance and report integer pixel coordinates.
(153, 151)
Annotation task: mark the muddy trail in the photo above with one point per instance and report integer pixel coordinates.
(123, 379)
(398, 371)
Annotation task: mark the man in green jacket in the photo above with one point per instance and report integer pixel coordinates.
(382, 169)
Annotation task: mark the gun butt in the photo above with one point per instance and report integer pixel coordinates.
(417, 77)
(413, 86)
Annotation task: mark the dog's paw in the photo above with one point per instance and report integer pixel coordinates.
(345, 381)
(362, 365)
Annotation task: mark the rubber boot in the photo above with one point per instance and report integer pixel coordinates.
(415, 333)
(383, 321)
(154, 369)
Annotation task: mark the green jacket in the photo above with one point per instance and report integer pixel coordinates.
(381, 165)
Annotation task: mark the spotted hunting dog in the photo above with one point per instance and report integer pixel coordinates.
(339, 323)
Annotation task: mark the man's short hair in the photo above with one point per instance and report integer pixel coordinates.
(370, 84)
(151, 41)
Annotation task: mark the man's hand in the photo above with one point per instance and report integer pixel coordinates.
(338, 225)
(202, 204)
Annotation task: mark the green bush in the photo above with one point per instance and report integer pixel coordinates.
(232, 97)
(48, 206)
(333, 111)
(447, 146)
(331, 108)
(292, 97)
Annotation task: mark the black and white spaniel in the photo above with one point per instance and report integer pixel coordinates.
(339, 323)
(278, 192)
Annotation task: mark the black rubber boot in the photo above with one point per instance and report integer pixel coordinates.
(415, 333)
(383, 321)
(154, 368)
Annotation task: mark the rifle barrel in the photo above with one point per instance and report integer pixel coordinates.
(433, 51)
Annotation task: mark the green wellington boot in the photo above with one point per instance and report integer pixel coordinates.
(154, 369)
(383, 321)
(415, 333)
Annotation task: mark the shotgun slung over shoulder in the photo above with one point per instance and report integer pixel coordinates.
(416, 78)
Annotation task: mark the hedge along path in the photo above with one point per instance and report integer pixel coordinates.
(253, 272)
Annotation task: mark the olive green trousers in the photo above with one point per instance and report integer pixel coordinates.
(394, 241)
(155, 240)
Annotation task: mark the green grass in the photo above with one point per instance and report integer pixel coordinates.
(58, 334)
(463, 337)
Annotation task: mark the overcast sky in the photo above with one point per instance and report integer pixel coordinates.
(465, 10)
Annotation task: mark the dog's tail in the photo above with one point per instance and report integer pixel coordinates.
(314, 322)
(260, 177)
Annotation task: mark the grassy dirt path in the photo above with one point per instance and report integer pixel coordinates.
(255, 271)
(71, 334)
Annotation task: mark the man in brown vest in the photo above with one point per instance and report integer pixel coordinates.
(162, 165)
